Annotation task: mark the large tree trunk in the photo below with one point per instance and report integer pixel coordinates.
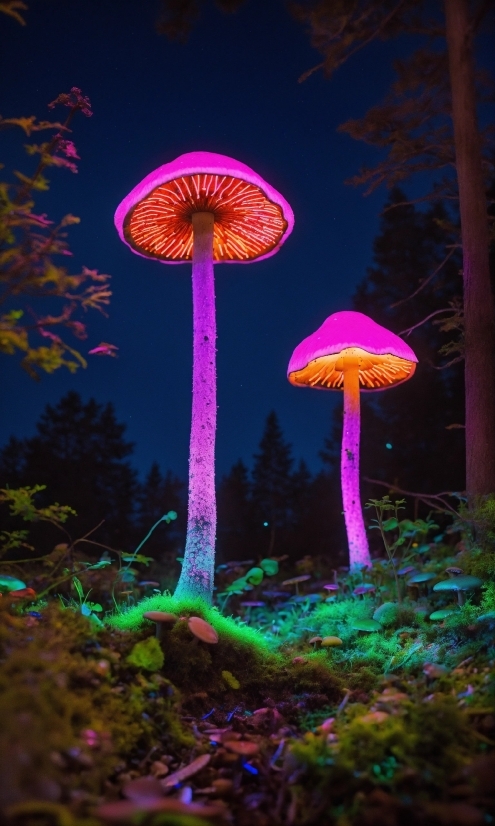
(478, 299)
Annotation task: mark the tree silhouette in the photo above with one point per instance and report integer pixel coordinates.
(236, 535)
(405, 431)
(80, 454)
(157, 496)
(272, 484)
(428, 123)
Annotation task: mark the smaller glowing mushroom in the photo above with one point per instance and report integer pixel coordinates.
(350, 352)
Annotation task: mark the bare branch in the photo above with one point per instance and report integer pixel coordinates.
(449, 363)
(425, 282)
(431, 500)
(420, 323)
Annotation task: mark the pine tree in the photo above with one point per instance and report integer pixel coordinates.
(428, 123)
(406, 429)
(157, 496)
(272, 484)
(235, 532)
(80, 454)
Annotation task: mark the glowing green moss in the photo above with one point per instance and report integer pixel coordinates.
(131, 619)
(147, 654)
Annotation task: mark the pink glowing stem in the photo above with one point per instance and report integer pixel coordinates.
(359, 553)
(196, 579)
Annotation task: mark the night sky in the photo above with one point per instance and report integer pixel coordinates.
(232, 88)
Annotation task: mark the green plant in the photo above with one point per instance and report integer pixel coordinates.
(386, 525)
(88, 609)
(253, 577)
(407, 533)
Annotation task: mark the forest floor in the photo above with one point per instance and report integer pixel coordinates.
(341, 704)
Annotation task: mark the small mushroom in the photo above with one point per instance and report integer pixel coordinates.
(331, 642)
(296, 580)
(438, 616)
(453, 571)
(202, 630)
(161, 618)
(408, 569)
(459, 584)
(23, 593)
(367, 625)
(10, 583)
(365, 588)
(253, 603)
(418, 580)
(245, 748)
(316, 642)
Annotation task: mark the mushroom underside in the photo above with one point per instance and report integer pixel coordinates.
(247, 223)
(375, 371)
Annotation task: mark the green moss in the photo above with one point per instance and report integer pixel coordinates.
(433, 739)
(57, 681)
(131, 619)
(147, 654)
(231, 681)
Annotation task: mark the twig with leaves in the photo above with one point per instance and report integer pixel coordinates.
(29, 242)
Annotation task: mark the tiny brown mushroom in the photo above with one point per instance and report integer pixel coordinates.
(245, 748)
(202, 630)
(160, 618)
(453, 571)
(316, 642)
(295, 580)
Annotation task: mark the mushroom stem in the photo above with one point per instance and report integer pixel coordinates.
(359, 553)
(196, 579)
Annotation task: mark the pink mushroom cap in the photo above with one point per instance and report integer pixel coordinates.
(343, 331)
(246, 208)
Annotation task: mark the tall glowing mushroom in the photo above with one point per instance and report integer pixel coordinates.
(208, 209)
(348, 352)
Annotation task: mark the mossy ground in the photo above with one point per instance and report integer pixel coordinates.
(392, 727)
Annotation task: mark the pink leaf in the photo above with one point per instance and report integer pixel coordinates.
(104, 349)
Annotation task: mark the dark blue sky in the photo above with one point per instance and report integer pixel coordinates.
(232, 88)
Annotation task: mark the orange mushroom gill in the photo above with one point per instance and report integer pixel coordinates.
(375, 371)
(247, 223)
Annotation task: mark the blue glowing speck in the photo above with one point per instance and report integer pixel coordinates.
(388, 446)
(265, 524)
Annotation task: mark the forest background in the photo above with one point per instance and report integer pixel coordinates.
(277, 505)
